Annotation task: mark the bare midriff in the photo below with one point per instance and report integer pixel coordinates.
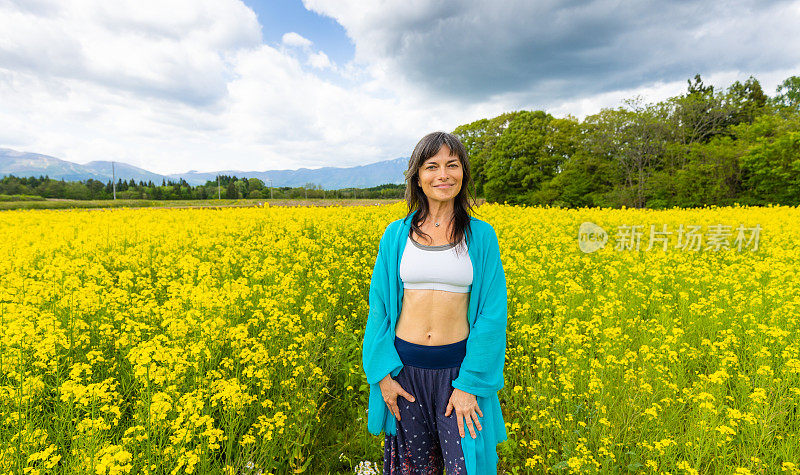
(433, 317)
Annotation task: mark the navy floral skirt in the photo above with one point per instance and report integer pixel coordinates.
(426, 440)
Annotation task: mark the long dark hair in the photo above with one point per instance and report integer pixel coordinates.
(416, 199)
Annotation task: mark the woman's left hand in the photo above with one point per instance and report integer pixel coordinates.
(467, 410)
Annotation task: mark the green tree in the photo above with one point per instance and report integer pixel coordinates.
(12, 185)
(698, 88)
(591, 173)
(75, 190)
(699, 114)
(52, 189)
(702, 147)
(636, 139)
(788, 93)
(772, 163)
(479, 139)
(254, 184)
(95, 189)
(230, 190)
(748, 100)
(518, 163)
(710, 175)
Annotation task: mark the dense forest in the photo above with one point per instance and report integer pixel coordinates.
(703, 147)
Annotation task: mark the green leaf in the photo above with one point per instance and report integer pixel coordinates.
(634, 466)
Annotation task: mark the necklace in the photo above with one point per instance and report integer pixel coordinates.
(436, 223)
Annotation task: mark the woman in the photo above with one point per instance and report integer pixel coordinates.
(434, 345)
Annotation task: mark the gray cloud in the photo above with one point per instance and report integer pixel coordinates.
(556, 50)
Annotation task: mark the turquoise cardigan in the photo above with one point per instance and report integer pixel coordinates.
(481, 372)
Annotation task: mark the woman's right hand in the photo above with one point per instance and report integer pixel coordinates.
(391, 389)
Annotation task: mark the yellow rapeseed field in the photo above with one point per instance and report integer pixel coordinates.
(228, 341)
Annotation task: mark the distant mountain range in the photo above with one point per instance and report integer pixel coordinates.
(23, 164)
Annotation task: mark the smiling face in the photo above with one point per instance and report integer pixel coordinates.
(441, 175)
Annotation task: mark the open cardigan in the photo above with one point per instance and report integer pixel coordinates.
(481, 372)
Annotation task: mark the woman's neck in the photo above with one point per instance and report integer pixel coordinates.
(440, 213)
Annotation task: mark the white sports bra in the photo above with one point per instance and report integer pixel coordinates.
(435, 267)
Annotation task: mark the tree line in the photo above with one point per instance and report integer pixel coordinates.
(230, 187)
(703, 147)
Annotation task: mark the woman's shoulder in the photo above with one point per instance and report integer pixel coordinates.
(480, 226)
(391, 229)
(394, 224)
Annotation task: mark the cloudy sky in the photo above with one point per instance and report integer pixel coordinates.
(173, 85)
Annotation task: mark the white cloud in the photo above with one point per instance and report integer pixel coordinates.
(294, 39)
(319, 60)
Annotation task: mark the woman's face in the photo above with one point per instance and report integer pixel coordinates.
(440, 176)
